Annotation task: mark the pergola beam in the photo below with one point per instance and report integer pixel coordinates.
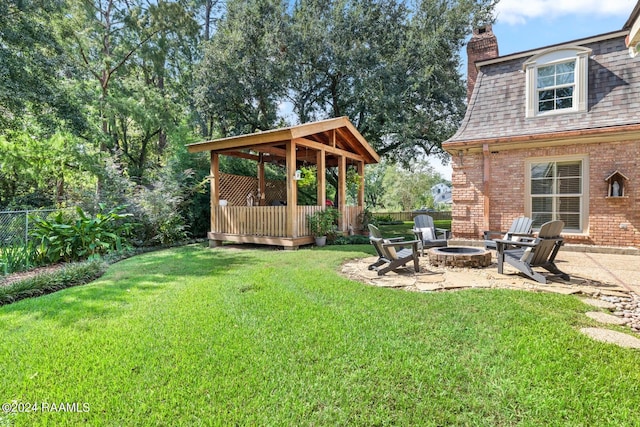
(328, 148)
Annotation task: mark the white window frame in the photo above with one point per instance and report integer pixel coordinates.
(584, 196)
(552, 57)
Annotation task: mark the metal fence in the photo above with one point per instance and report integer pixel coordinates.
(15, 225)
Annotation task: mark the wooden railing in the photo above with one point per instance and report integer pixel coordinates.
(351, 217)
(269, 220)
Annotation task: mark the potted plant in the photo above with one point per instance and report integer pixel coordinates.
(323, 223)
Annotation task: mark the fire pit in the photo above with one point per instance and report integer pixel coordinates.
(459, 256)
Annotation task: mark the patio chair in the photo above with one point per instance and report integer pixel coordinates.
(540, 251)
(391, 253)
(520, 225)
(427, 233)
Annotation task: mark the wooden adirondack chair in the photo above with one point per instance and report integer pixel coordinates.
(391, 254)
(520, 225)
(541, 251)
(427, 233)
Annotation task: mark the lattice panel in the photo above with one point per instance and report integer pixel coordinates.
(235, 189)
(275, 190)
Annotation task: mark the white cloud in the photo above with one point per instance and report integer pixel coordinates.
(516, 12)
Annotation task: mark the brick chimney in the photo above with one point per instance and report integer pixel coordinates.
(482, 46)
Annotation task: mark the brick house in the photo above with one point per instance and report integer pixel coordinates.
(552, 133)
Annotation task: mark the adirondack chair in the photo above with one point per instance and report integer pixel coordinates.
(540, 251)
(520, 225)
(391, 254)
(427, 233)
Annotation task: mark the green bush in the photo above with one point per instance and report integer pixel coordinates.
(323, 223)
(384, 219)
(18, 256)
(67, 239)
(356, 239)
(158, 220)
(70, 275)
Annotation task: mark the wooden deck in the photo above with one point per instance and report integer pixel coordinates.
(267, 225)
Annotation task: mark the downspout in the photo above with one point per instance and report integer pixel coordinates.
(486, 178)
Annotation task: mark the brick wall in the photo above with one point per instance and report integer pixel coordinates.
(468, 202)
(612, 221)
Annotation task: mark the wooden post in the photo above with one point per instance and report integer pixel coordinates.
(361, 187)
(342, 191)
(292, 191)
(321, 166)
(261, 182)
(214, 176)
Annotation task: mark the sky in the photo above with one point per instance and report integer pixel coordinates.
(530, 24)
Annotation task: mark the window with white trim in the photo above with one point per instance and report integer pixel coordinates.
(557, 81)
(557, 190)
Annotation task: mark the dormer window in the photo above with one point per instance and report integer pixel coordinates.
(556, 86)
(557, 81)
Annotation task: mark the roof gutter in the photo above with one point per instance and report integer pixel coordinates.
(583, 136)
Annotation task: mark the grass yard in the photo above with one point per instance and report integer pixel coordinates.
(405, 228)
(193, 336)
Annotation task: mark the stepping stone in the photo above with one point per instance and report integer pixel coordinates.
(606, 318)
(455, 285)
(612, 337)
(599, 303)
(456, 280)
(430, 277)
(425, 287)
(559, 290)
(481, 284)
(614, 293)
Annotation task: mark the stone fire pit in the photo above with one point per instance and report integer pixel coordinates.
(460, 256)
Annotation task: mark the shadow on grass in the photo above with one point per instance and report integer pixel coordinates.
(368, 249)
(127, 280)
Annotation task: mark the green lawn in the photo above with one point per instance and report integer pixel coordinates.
(405, 228)
(193, 336)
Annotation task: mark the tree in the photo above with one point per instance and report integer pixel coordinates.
(432, 102)
(136, 53)
(391, 66)
(373, 186)
(242, 76)
(42, 172)
(34, 70)
(409, 188)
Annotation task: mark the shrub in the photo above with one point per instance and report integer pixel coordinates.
(379, 219)
(67, 239)
(323, 223)
(356, 239)
(70, 275)
(18, 256)
(157, 215)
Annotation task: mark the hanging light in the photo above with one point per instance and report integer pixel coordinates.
(298, 175)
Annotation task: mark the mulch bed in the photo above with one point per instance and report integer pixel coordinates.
(22, 275)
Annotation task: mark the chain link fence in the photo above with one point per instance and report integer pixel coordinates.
(15, 225)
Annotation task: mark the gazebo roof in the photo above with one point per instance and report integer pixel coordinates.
(335, 136)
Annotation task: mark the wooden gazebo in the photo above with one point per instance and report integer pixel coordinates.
(328, 143)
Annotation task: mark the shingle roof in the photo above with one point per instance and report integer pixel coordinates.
(497, 106)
